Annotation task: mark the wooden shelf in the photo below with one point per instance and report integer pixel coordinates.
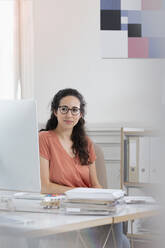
(151, 133)
(143, 185)
(143, 236)
(137, 185)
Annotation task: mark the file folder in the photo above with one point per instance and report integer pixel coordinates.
(144, 159)
(133, 159)
(126, 166)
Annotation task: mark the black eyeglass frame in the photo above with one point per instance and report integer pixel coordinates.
(71, 109)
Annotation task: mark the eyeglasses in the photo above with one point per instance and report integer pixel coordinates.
(65, 109)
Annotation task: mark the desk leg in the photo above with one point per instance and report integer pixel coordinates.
(33, 242)
(111, 230)
(132, 240)
(125, 227)
(81, 239)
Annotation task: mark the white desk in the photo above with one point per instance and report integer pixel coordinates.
(44, 224)
(39, 223)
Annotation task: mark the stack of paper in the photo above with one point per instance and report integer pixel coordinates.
(95, 194)
(91, 201)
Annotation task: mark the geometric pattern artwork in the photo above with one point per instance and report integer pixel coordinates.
(132, 28)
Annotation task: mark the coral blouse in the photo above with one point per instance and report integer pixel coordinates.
(63, 169)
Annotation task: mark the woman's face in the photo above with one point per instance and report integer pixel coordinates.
(68, 113)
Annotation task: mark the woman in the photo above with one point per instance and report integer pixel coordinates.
(67, 156)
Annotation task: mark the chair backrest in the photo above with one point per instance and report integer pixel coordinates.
(100, 166)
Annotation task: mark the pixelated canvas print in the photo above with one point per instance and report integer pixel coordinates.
(132, 28)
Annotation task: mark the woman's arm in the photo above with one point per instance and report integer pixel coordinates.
(93, 176)
(48, 187)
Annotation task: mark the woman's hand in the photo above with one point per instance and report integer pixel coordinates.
(97, 186)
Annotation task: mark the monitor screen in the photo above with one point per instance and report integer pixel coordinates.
(19, 153)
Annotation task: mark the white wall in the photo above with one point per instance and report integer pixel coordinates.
(67, 54)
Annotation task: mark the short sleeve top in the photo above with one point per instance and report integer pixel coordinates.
(64, 169)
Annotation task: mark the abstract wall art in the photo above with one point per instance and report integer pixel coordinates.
(132, 28)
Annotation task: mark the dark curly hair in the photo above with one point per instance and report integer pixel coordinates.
(78, 136)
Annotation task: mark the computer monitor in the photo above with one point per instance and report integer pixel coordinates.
(19, 153)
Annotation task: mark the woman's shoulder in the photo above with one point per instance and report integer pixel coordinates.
(46, 134)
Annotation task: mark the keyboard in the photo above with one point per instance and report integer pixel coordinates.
(29, 196)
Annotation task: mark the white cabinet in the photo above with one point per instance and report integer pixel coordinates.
(111, 151)
(109, 139)
(113, 172)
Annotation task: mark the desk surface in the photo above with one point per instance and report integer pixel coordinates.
(44, 224)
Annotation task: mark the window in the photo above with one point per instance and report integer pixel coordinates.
(8, 50)
(16, 43)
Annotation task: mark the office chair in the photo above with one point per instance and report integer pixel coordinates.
(100, 166)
